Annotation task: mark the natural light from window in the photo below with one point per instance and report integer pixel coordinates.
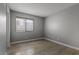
(23, 24)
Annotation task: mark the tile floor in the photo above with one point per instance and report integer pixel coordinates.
(40, 47)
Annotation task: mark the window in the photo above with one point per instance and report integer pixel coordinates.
(29, 25)
(20, 25)
(23, 24)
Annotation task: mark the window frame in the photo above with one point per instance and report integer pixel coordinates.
(26, 24)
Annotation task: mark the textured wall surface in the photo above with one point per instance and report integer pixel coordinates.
(19, 36)
(8, 26)
(64, 26)
(2, 28)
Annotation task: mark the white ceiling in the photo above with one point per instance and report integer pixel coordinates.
(39, 9)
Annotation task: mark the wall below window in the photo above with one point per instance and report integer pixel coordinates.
(64, 26)
(19, 36)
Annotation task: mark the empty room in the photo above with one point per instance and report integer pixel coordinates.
(39, 29)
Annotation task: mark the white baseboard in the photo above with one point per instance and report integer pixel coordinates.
(26, 40)
(76, 48)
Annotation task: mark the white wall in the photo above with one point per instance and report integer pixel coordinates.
(64, 26)
(19, 36)
(8, 26)
(2, 28)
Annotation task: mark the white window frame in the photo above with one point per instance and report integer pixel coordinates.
(25, 30)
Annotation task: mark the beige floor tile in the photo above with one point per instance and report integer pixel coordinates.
(40, 47)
